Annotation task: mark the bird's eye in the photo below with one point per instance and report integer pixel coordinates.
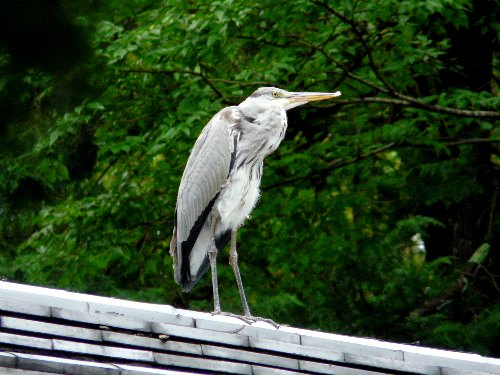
(276, 94)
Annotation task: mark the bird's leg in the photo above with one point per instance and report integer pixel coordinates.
(233, 261)
(212, 256)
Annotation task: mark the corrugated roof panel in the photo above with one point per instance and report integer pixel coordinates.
(73, 333)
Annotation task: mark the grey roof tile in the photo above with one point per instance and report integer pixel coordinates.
(51, 328)
(63, 365)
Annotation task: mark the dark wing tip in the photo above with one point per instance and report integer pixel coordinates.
(185, 281)
(187, 286)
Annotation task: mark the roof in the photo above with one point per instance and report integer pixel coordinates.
(58, 332)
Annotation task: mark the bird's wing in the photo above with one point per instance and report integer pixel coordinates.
(206, 171)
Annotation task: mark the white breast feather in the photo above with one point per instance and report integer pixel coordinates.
(241, 193)
(237, 199)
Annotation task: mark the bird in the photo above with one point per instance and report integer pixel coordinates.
(220, 184)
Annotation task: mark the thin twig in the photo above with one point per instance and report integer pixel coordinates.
(108, 167)
(211, 85)
(359, 35)
(335, 164)
(239, 83)
(492, 210)
(208, 80)
(492, 278)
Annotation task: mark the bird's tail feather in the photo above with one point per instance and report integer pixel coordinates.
(199, 261)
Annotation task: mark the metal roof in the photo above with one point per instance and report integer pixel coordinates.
(49, 331)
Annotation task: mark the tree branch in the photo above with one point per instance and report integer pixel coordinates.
(207, 80)
(388, 89)
(158, 71)
(211, 85)
(367, 99)
(173, 71)
(404, 100)
(468, 141)
(340, 163)
(334, 164)
(411, 102)
(447, 110)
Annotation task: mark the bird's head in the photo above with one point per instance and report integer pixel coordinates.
(266, 97)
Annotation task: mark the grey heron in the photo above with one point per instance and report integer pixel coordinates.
(220, 184)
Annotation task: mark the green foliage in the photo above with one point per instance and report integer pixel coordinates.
(89, 183)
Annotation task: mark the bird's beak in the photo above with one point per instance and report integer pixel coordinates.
(305, 97)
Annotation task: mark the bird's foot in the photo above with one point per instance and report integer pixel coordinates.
(249, 319)
(259, 319)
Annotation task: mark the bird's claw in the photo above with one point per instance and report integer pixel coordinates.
(259, 319)
(249, 319)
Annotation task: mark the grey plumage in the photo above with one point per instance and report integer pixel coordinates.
(220, 184)
(206, 171)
